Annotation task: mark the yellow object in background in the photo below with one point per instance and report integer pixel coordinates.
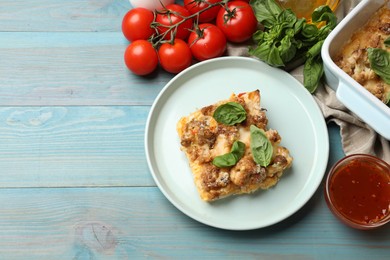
(304, 8)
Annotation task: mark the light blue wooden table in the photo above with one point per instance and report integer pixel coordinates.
(73, 174)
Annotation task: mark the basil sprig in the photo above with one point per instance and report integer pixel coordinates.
(287, 41)
(230, 113)
(230, 159)
(261, 147)
(380, 62)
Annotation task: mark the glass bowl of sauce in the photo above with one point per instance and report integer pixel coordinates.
(357, 191)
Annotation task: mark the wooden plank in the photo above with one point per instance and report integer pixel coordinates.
(63, 16)
(80, 146)
(132, 223)
(70, 15)
(44, 69)
(73, 146)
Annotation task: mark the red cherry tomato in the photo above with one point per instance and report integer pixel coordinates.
(207, 42)
(237, 21)
(171, 15)
(141, 57)
(136, 24)
(195, 6)
(175, 57)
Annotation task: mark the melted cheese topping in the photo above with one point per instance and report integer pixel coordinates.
(203, 138)
(353, 58)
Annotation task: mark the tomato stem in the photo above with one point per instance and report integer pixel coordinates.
(159, 38)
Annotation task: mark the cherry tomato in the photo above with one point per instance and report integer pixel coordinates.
(136, 24)
(238, 21)
(171, 15)
(207, 42)
(175, 57)
(141, 57)
(195, 6)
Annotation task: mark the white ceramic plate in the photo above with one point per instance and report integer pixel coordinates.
(290, 109)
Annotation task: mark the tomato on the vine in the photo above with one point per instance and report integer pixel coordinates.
(175, 57)
(141, 57)
(195, 6)
(237, 21)
(136, 24)
(207, 41)
(171, 15)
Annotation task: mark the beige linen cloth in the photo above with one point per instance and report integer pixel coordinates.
(356, 136)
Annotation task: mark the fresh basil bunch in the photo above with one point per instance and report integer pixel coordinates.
(287, 40)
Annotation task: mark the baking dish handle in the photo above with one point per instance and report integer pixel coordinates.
(367, 111)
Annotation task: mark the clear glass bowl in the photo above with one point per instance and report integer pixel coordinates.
(357, 191)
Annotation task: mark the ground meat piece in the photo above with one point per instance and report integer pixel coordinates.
(185, 141)
(206, 136)
(260, 176)
(242, 171)
(230, 132)
(199, 132)
(260, 120)
(190, 129)
(214, 178)
(193, 152)
(280, 160)
(278, 164)
(273, 136)
(385, 28)
(208, 110)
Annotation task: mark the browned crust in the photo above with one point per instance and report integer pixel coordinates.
(202, 138)
(353, 58)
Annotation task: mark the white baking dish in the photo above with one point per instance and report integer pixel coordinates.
(355, 97)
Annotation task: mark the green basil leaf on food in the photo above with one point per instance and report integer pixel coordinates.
(238, 150)
(225, 160)
(231, 158)
(380, 63)
(387, 42)
(261, 147)
(230, 113)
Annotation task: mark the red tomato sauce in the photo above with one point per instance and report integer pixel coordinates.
(361, 192)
